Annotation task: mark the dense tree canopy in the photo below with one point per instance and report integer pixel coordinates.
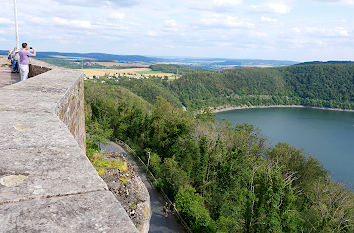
(176, 69)
(318, 85)
(223, 178)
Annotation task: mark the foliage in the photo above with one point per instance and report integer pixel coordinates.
(223, 178)
(191, 206)
(102, 164)
(175, 69)
(320, 85)
(148, 88)
(121, 113)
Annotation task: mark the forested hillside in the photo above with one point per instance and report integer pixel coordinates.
(222, 178)
(148, 89)
(175, 69)
(320, 85)
(317, 85)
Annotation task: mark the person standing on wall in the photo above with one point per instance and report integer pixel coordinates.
(24, 60)
(9, 56)
(15, 59)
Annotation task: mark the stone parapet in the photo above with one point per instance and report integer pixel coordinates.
(47, 184)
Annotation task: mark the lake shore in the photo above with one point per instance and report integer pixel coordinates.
(230, 108)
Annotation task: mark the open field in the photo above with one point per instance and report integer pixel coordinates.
(147, 72)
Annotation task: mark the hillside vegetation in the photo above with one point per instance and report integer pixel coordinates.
(323, 85)
(223, 178)
(317, 85)
(149, 89)
(173, 68)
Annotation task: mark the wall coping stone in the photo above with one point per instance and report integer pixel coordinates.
(47, 184)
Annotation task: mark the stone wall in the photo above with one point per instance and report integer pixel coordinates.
(35, 70)
(47, 184)
(71, 111)
(71, 108)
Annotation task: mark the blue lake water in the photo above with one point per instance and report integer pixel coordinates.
(326, 135)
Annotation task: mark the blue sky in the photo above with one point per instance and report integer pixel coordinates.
(300, 30)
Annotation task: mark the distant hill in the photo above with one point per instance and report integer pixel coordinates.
(176, 69)
(325, 62)
(320, 85)
(317, 85)
(227, 63)
(97, 57)
(65, 59)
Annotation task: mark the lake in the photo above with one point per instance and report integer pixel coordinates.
(326, 135)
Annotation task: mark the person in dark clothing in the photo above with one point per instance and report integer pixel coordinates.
(172, 207)
(165, 210)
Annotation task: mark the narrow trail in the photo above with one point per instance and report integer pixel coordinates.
(158, 223)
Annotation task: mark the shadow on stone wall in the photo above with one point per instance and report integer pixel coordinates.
(35, 70)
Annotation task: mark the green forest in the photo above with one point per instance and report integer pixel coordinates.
(317, 85)
(226, 178)
(176, 69)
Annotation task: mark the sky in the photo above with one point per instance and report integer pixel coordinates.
(298, 30)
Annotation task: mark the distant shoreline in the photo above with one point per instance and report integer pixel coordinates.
(226, 109)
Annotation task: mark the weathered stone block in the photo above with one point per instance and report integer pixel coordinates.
(88, 212)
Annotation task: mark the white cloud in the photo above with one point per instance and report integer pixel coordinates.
(95, 3)
(220, 20)
(72, 23)
(341, 31)
(342, 2)
(296, 29)
(348, 2)
(38, 20)
(204, 28)
(5, 21)
(225, 3)
(152, 33)
(117, 15)
(321, 31)
(259, 34)
(268, 19)
(212, 5)
(280, 8)
(274, 7)
(171, 25)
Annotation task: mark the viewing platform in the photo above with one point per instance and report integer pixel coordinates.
(47, 184)
(6, 77)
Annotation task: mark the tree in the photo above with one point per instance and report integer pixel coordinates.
(191, 206)
(173, 177)
(331, 209)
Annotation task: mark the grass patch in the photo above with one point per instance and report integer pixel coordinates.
(124, 180)
(101, 171)
(111, 164)
(132, 206)
(101, 164)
